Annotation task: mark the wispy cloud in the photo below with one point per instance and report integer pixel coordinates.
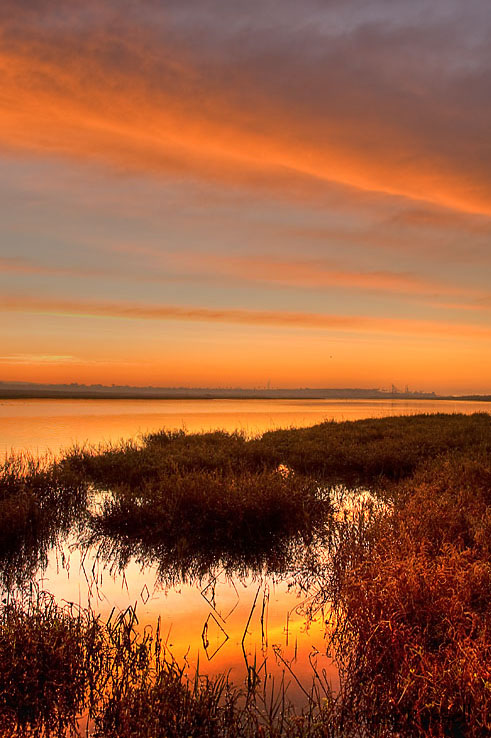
(38, 359)
(318, 273)
(278, 318)
(364, 104)
(13, 265)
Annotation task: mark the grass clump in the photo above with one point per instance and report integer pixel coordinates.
(161, 702)
(48, 658)
(38, 503)
(413, 608)
(160, 454)
(192, 521)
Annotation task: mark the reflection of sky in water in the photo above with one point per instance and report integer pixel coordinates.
(227, 623)
(268, 622)
(42, 425)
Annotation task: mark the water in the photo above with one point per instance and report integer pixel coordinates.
(229, 621)
(42, 425)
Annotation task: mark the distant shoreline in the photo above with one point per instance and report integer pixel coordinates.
(133, 393)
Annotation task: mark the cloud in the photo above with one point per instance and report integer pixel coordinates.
(38, 359)
(280, 319)
(318, 273)
(13, 265)
(381, 99)
(187, 267)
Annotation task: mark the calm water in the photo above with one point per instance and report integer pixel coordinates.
(51, 425)
(228, 622)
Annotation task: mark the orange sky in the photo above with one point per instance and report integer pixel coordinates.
(223, 195)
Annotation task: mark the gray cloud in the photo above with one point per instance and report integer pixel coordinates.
(405, 83)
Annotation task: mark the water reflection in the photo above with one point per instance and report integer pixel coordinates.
(173, 567)
(243, 617)
(263, 619)
(51, 425)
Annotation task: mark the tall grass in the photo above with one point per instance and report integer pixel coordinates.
(359, 452)
(366, 451)
(161, 454)
(38, 503)
(59, 663)
(199, 520)
(49, 657)
(413, 625)
(407, 580)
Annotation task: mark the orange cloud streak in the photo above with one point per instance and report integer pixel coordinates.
(318, 273)
(65, 104)
(22, 266)
(294, 273)
(351, 323)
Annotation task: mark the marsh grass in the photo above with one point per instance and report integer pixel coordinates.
(160, 454)
(49, 658)
(39, 501)
(199, 520)
(352, 453)
(62, 662)
(406, 584)
(412, 603)
(372, 450)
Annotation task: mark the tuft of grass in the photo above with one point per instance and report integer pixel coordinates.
(192, 522)
(38, 503)
(160, 454)
(48, 656)
(413, 608)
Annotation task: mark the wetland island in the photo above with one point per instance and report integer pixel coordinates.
(330, 580)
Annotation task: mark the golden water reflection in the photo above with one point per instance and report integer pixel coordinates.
(42, 425)
(228, 624)
(234, 624)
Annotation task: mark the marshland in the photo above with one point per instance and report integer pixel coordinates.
(331, 580)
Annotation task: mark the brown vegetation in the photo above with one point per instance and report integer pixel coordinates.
(192, 522)
(408, 579)
(414, 608)
(38, 503)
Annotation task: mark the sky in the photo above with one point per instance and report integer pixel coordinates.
(220, 193)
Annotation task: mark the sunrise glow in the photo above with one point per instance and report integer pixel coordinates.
(209, 194)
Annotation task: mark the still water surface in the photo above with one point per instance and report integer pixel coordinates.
(227, 621)
(42, 425)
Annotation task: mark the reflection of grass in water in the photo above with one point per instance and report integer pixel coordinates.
(57, 663)
(408, 583)
(174, 567)
(38, 503)
(191, 523)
